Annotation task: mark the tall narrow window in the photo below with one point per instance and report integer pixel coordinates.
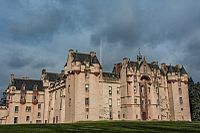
(118, 90)
(68, 88)
(16, 109)
(110, 90)
(55, 95)
(118, 114)
(27, 118)
(110, 102)
(87, 88)
(61, 93)
(180, 91)
(110, 115)
(135, 100)
(179, 83)
(135, 78)
(39, 115)
(15, 120)
(39, 106)
(181, 100)
(145, 69)
(69, 102)
(87, 101)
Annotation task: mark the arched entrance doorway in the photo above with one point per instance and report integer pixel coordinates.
(144, 85)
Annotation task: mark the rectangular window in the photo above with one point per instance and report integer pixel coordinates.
(135, 101)
(69, 102)
(34, 97)
(16, 109)
(110, 102)
(86, 101)
(87, 88)
(118, 90)
(28, 108)
(118, 114)
(110, 90)
(181, 100)
(27, 118)
(135, 89)
(15, 120)
(38, 121)
(55, 95)
(179, 83)
(135, 78)
(180, 91)
(68, 88)
(39, 115)
(39, 106)
(87, 109)
(110, 115)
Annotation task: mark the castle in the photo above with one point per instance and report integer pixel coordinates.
(135, 90)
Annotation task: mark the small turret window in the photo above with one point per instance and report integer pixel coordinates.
(110, 90)
(145, 69)
(179, 83)
(180, 100)
(180, 91)
(87, 88)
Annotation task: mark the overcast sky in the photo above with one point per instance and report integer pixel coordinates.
(37, 34)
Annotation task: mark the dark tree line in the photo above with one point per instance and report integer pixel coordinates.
(194, 96)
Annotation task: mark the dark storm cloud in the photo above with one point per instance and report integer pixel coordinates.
(137, 22)
(18, 62)
(37, 27)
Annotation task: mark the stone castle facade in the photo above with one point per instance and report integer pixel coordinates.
(135, 90)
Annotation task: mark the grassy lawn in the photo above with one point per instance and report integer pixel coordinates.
(104, 126)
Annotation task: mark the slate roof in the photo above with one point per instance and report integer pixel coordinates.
(29, 84)
(183, 71)
(110, 75)
(83, 58)
(52, 76)
(133, 63)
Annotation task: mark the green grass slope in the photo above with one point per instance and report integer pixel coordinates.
(104, 126)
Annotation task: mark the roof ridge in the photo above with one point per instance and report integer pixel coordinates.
(27, 79)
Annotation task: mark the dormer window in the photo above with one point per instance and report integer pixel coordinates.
(87, 64)
(23, 87)
(23, 94)
(35, 87)
(34, 98)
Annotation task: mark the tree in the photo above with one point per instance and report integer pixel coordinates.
(3, 99)
(194, 97)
